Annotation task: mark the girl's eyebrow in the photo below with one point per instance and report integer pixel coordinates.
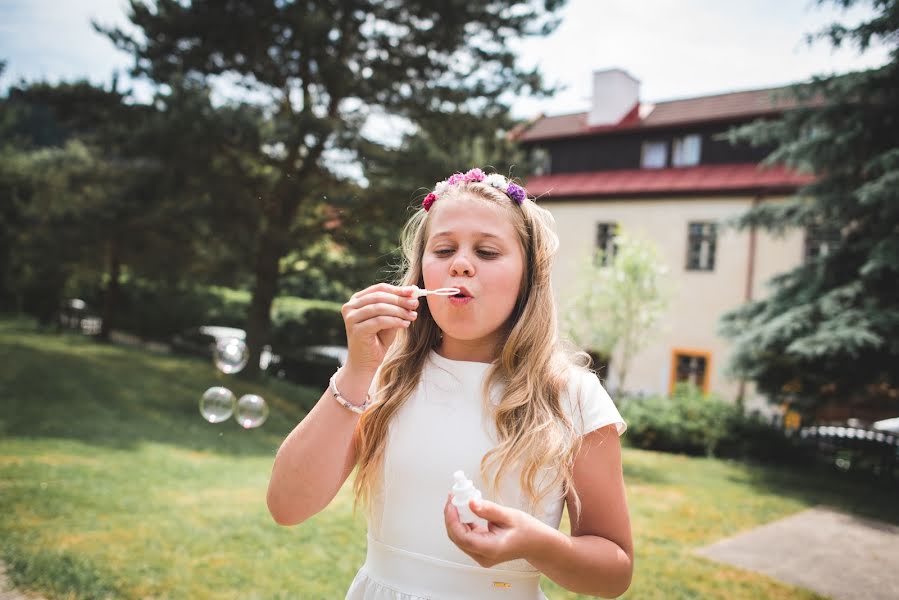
(451, 233)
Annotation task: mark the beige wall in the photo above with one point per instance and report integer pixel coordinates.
(698, 297)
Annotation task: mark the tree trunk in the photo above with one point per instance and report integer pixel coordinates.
(111, 294)
(279, 214)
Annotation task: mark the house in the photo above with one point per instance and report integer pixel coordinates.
(661, 171)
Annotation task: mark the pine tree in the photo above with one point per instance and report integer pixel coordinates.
(829, 330)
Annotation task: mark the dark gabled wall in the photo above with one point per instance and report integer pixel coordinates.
(610, 152)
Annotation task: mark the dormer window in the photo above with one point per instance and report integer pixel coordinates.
(542, 161)
(686, 150)
(654, 155)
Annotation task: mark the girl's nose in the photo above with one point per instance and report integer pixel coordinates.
(461, 266)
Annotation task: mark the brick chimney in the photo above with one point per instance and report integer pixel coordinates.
(615, 93)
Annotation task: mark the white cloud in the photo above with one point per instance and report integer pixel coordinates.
(687, 48)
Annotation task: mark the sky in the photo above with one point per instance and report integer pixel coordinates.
(676, 48)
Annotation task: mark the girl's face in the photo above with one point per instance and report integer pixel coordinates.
(472, 245)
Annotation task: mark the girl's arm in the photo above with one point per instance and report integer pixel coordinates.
(319, 454)
(598, 557)
(316, 458)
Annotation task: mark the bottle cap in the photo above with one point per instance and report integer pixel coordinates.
(462, 483)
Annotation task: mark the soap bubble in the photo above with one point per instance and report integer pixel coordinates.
(252, 411)
(231, 355)
(217, 404)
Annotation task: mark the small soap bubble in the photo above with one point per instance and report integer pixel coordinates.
(252, 411)
(231, 355)
(217, 404)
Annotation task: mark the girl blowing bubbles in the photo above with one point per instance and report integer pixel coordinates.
(476, 382)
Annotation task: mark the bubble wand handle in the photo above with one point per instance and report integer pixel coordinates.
(438, 292)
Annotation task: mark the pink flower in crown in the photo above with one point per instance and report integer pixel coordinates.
(474, 175)
(456, 178)
(428, 201)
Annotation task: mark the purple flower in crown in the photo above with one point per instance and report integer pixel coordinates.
(428, 201)
(515, 192)
(456, 178)
(474, 175)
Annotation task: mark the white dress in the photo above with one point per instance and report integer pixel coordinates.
(440, 430)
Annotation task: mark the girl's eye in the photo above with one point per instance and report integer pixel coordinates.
(488, 254)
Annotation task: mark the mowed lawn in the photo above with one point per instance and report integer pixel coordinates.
(113, 486)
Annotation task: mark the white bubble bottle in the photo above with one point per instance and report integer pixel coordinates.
(463, 491)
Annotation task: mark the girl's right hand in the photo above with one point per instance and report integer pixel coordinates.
(372, 318)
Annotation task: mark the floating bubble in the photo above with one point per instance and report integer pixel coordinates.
(231, 355)
(252, 411)
(217, 404)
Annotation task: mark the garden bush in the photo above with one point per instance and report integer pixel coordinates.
(687, 422)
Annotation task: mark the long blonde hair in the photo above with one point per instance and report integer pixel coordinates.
(532, 428)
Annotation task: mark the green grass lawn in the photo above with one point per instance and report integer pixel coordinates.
(112, 485)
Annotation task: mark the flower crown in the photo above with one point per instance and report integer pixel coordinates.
(513, 191)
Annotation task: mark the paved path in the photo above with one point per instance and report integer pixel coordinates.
(832, 553)
(6, 590)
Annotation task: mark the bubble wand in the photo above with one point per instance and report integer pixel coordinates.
(449, 291)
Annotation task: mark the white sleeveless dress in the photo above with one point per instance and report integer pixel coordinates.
(440, 430)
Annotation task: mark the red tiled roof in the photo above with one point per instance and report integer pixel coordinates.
(734, 105)
(701, 179)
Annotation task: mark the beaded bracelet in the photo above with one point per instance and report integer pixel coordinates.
(343, 401)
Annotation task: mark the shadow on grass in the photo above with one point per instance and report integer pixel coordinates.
(642, 473)
(815, 484)
(70, 387)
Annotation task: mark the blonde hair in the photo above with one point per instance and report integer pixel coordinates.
(532, 428)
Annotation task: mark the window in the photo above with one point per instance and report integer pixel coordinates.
(690, 366)
(654, 155)
(542, 161)
(686, 150)
(820, 241)
(701, 246)
(605, 243)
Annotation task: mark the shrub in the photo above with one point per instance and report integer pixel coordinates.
(688, 422)
(314, 326)
(752, 438)
(157, 311)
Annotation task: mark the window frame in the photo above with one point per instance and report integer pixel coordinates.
(542, 161)
(643, 151)
(602, 259)
(677, 149)
(705, 236)
(693, 353)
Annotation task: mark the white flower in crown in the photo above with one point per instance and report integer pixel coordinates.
(496, 180)
(441, 187)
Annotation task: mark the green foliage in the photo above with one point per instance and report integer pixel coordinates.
(106, 180)
(750, 437)
(62, 573)
(314, 326)
(616, 307)
(687, 422)
(830, 327)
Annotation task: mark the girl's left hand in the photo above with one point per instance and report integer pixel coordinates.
(510, 533)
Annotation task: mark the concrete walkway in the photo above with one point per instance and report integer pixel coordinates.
(832, 553)
(6, 590)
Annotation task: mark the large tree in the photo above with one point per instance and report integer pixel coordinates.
(127, 189)
(319, 70)
(830, 327)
